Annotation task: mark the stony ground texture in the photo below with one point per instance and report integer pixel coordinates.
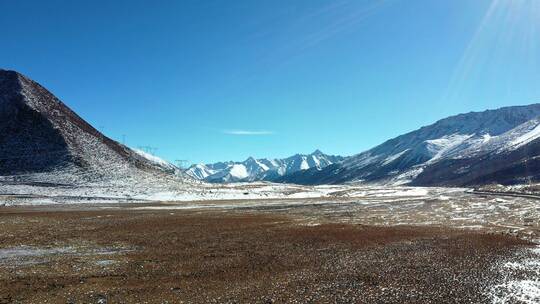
(225, 256)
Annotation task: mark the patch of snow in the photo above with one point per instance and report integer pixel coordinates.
(392, 158)
(156, 160)
(105, 263)
(486, 138)
(238, 171)
(200, 171)
(263, 166)
(316, 161)
(304, 165)
(25, 255)
(440, 146)
(407, 176)
(517, 290)
(526, 138)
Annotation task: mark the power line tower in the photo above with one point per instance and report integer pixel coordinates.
(149, 149)
(101, 130)
(181, 163)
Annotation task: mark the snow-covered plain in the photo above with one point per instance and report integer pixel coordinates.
(25, 194)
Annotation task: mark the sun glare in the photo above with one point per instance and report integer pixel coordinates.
(507, 34)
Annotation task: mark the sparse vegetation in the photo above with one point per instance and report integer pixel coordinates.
(216, 257)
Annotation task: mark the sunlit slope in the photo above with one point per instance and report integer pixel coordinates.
(474, 148)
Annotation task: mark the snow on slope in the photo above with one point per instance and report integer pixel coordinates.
(529, 131)
(441, 146)
(392, 158)
(200, 171)
(402, 159)
(238, 171)
(304, 165)
(156, 160)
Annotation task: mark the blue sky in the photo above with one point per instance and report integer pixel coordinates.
(223, 80)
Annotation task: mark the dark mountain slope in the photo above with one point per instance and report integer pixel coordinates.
(42, 139)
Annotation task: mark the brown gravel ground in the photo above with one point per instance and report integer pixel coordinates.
(223, 257)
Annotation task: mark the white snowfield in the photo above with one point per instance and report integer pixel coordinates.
(24, 194)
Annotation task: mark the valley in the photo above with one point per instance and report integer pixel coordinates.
(448, 213)
(333, 152)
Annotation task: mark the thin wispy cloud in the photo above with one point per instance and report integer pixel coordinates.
(247, 132)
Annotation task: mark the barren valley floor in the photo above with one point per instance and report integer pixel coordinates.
(263, 252)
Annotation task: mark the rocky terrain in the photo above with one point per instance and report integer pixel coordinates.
(275, 251)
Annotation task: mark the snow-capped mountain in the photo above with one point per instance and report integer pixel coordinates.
(42, 140)
(200, 171)
(260, 169)
(465, 149)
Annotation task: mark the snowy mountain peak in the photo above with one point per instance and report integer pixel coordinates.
(260, 169)
(200, 171)
(317, 153)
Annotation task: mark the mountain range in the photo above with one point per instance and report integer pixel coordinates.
(43, 141)
(263, 169)
(493, 146)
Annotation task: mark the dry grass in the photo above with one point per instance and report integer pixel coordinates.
(224, 257)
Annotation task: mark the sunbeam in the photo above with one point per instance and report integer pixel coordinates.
(506, 37)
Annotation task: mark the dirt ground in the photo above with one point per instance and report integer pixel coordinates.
(119, 256)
